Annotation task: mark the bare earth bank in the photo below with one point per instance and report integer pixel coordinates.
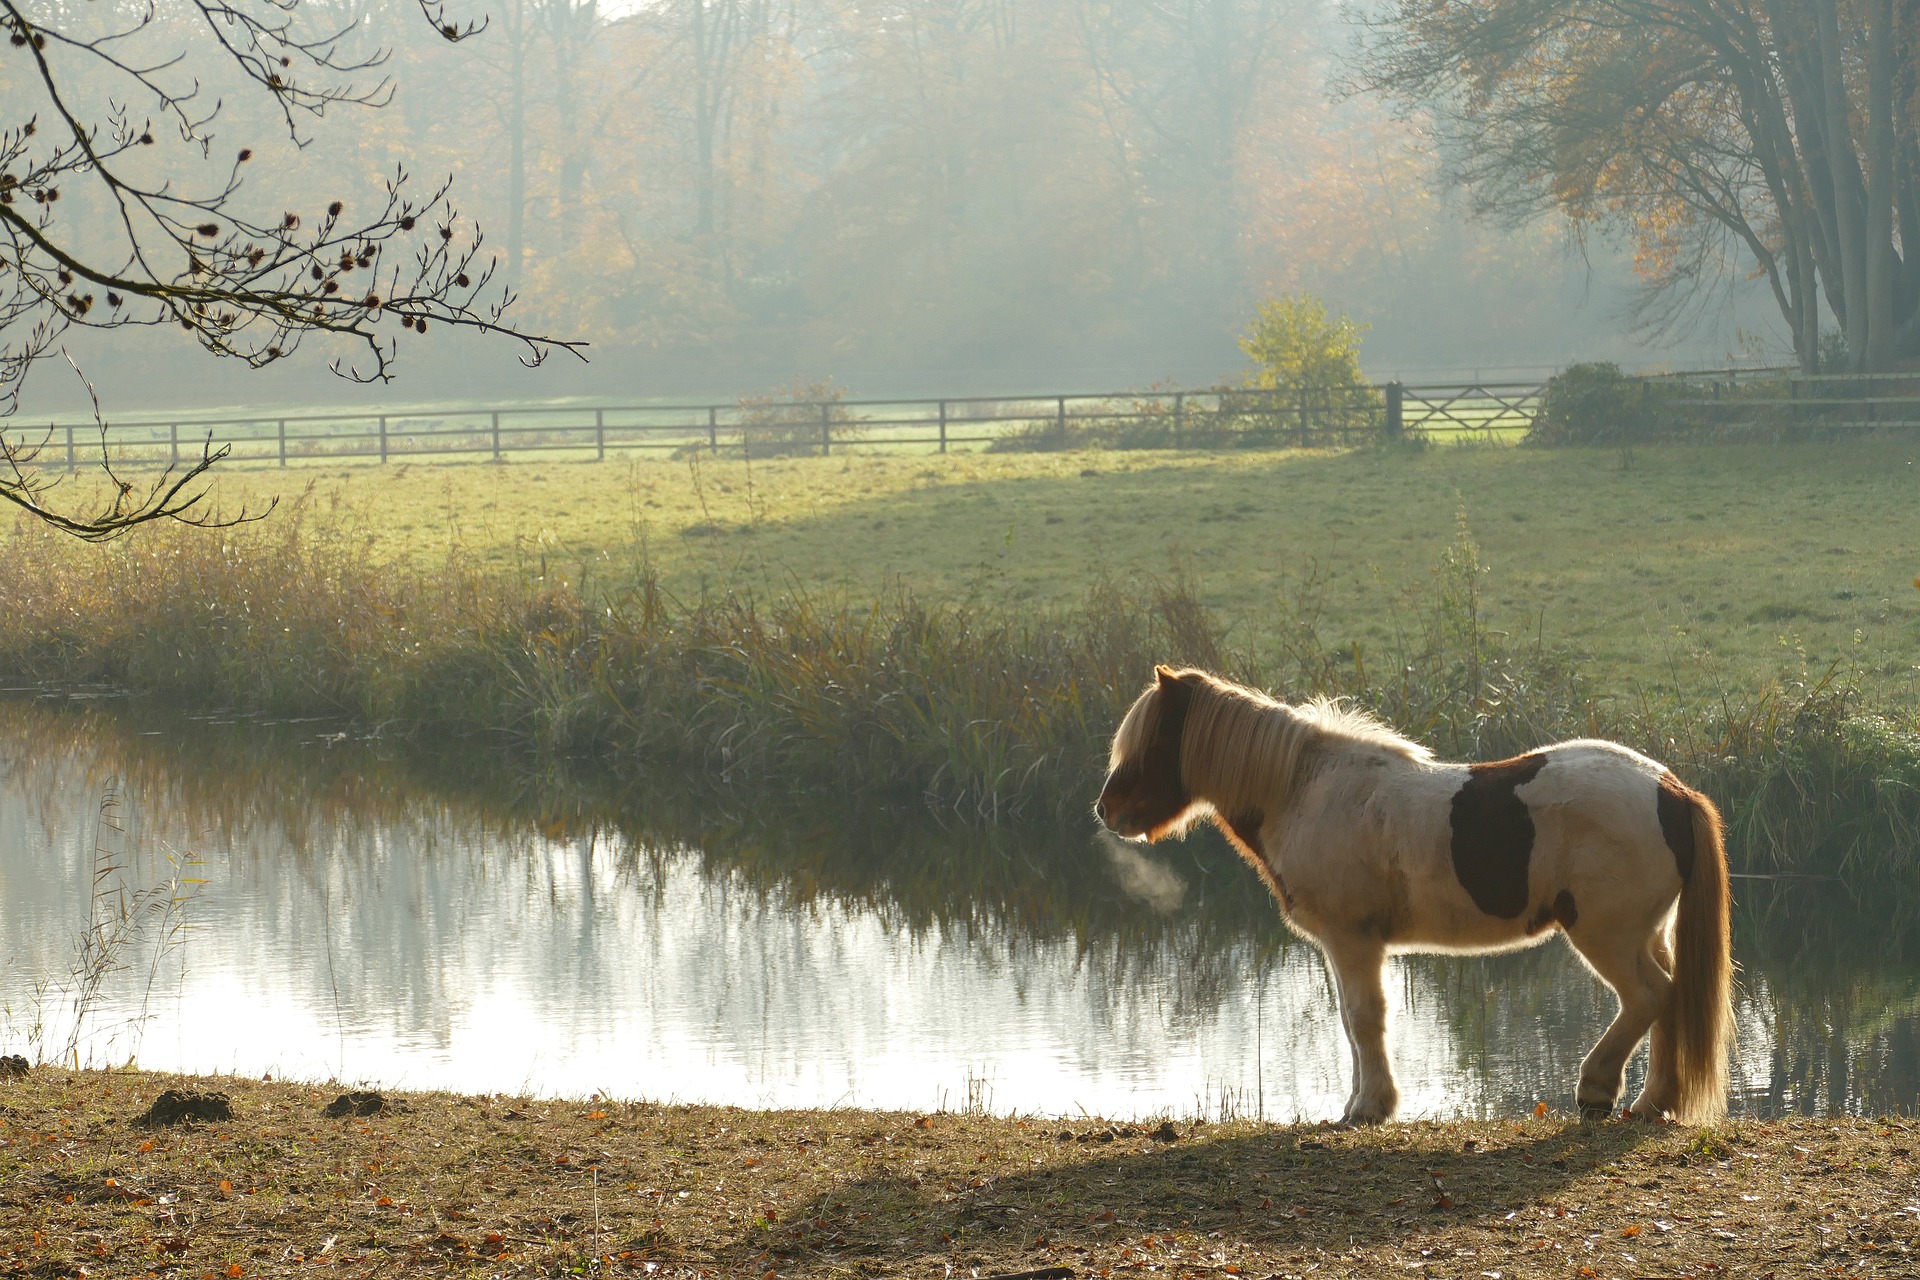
(432, 1183)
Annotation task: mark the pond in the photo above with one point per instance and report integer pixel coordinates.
(295, 899)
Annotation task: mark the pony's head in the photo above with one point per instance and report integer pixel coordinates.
(1144, 796)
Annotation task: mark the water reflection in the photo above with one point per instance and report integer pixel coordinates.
(450, 921)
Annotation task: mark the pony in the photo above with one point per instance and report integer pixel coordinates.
(1372, 846)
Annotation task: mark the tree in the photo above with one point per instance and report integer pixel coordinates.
(1784, 132)
(1296, 344)
(115, 219)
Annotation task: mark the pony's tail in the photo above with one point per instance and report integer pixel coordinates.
(1702, 997)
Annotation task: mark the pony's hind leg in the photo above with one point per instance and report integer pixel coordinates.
(1660, 1096)
(1359, 965)
(1625, 962)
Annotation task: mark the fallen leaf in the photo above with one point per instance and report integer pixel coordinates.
(1539, 1111)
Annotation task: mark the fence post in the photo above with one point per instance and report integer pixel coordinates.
(600, 434)
(943, 426)
(73, 459)
(826, 428)
(1303, 418)
(383, 437)
(713, 429)
(496, 435)
(1396, 410)
(1061, 421)
(1179, 417)
(283, 442)
(173, 444)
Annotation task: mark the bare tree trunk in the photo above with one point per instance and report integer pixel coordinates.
(1797, 42)
(709, 32)
(1879, 260)
(571, 26)
(1844, 174)
(516, 138)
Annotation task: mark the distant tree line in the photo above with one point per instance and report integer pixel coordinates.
(912, 184)
(929, 182)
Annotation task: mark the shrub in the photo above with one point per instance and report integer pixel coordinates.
(1299, 347)
(788, 422)
(1295, 343)
(1592, 404)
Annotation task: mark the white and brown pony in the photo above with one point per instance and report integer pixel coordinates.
(1372, 846)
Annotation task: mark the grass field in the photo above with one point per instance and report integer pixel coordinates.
(1703, 569)
(432, 1184)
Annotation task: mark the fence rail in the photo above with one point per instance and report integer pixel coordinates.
(1203, 419)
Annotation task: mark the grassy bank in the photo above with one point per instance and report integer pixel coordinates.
(435, 1184)
(1702, 568)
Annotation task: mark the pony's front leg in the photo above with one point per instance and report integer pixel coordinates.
(1359, 965)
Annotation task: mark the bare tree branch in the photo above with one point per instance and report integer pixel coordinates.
(243, 285)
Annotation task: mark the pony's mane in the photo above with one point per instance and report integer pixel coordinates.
(1241, 748)
(1350, 724)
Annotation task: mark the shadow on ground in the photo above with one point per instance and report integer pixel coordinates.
(1212, 1199)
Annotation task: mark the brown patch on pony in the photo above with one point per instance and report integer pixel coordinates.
(1675, 803)
(1493, 834)
(1242, 831)
(1561, 911)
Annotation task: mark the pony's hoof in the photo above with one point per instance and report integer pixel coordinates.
(1595, 1112)
(1652, 1112)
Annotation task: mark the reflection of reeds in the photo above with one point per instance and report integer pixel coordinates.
(121, 922)
(1829, 977)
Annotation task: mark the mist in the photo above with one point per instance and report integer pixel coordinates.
(921, 197)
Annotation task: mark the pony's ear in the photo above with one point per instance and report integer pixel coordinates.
(1166, 676)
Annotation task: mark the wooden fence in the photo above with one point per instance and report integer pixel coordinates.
(1790, 404)
(1205, 419)
(1209, 419)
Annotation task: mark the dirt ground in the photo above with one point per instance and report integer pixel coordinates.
(431, 1184)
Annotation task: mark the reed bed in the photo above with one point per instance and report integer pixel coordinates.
(980, 710)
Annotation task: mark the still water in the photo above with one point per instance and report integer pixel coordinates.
(201, 896)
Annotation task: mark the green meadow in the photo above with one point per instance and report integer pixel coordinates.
(1694, 570)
